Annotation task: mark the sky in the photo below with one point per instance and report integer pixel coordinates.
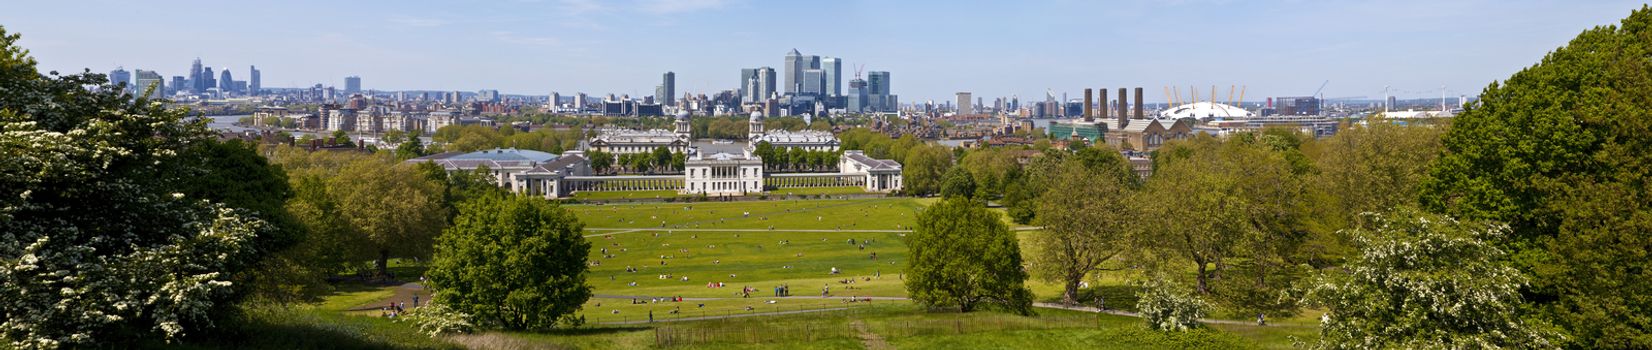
(932, 49)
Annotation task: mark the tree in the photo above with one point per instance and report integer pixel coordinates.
(341, 138)
(395, 209)
(958, 183)
(395, 137)
(1558, 151)
(101, 245)
(661, 158)
(601, 161)
(923, 169)
(1086, 224)
(1369, 167)
(937, 276)
(517, 262)
(1425, 281)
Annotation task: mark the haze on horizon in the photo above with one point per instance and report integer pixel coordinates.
(931, 48)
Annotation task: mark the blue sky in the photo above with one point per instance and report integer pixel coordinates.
(931, 48)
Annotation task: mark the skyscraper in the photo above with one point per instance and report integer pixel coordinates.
(794, 70)
(179, 83)
(765, 82)
(668, 90)
(121, 76)
(255, 84)
(225, 83)
(834, 75)
(352, 85)
(148, 80)
(965, 104)
(207, 82)
(746, 77)
(856, 101)
(877, 89)
(813, 83)
(196, 83)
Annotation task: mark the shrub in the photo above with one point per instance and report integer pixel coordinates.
(1168, 307)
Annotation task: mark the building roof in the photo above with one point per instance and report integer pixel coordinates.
(869, 163)
(499, 159)
(650, 137)
(1205, 110)
(806, 137)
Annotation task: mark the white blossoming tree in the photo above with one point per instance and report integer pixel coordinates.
(1425, 281)
(96, 244)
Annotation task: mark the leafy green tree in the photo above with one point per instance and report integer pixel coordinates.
(412, 148)
(1559, 152)
(101, 244)
(661, 158)
(936, 276)
(516, 262)
(1087, 223)
(1425, 281)
(959, 183)
(341, 138)
(396, 210)
(395, 137)
(923, 169)
(601, 161)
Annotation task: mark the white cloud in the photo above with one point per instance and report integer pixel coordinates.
(678, 6)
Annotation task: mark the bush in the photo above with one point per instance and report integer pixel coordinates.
(436, 320)
(1168, 307)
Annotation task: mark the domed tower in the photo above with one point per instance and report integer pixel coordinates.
(756, 126)
(684, 129)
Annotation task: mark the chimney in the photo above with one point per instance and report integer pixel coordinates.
(1124, 108)
(1104, 106)
(1088, 104)
(1138, 103)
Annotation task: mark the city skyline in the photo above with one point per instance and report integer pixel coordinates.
(535, 47)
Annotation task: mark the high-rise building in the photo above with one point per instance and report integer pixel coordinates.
(746, 77)
(255, 84)
(121, 78)
(580, 101)
(857, 96)
(196, 82)
(877, 83)
(554, 100)
(668, 90)
(179, 83)
(765, 83)
(487, 95)
(833, 67)
(226, 84)
(208, 82)
(813, 83)
(965, 104)
(150, 82)
(795, 64)
(352, 85)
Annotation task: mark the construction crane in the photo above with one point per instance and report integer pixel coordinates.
(1319, 99)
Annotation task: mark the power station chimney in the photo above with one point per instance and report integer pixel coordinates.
(1138, 103)
(1124, 109)
(1104, 112)
(1088, 104)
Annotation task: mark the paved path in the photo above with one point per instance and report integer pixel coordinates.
(619, 230)
(834, 296)
(1039, 305)
(718, 317)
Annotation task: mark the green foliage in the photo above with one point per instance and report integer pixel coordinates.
(395, 210)
(959, 183)
(1425, 281)
(1086, 224)
(601, 161)
(1559, 151)
(1365, 168)
(1166, 306)
(514, 262)
(412, 148)
(100, 244)
(937, 276)
(922, 170)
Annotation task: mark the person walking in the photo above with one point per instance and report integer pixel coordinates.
(650, 316)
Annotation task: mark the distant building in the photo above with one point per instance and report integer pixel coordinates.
(121, 78)
(255, 81)
(795, 65)
(667, 90)
(151, 82)
(352, 85)
(965, 104)
(527, 172)
(882, 175)
(813, 82)
(225, 82)
(833, 69)
(856, 100)
(723, 174)
(207, 81)
(1306, 105)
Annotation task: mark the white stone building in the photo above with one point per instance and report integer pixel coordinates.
(521, 171)
(882, 175)
(723, 174)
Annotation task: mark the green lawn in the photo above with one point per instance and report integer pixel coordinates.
(625, 195)
(818, 190)
(732, 244)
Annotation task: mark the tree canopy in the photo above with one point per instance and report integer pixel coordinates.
(516, 262)
(937, 276)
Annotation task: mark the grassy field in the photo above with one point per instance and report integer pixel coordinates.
(818, 190)
(644, 252)
(625, 195)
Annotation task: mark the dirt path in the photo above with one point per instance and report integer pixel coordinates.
(404, 294)
(868, 339)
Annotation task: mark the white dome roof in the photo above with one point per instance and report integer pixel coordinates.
(755, 115)
(1205, 110)
(683, 115)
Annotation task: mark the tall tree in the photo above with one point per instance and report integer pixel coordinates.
(936, 276)
(1087, 223)
(1559, 151)
(397, 211)
(517, 262)
(923, 168)
(959, 183)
